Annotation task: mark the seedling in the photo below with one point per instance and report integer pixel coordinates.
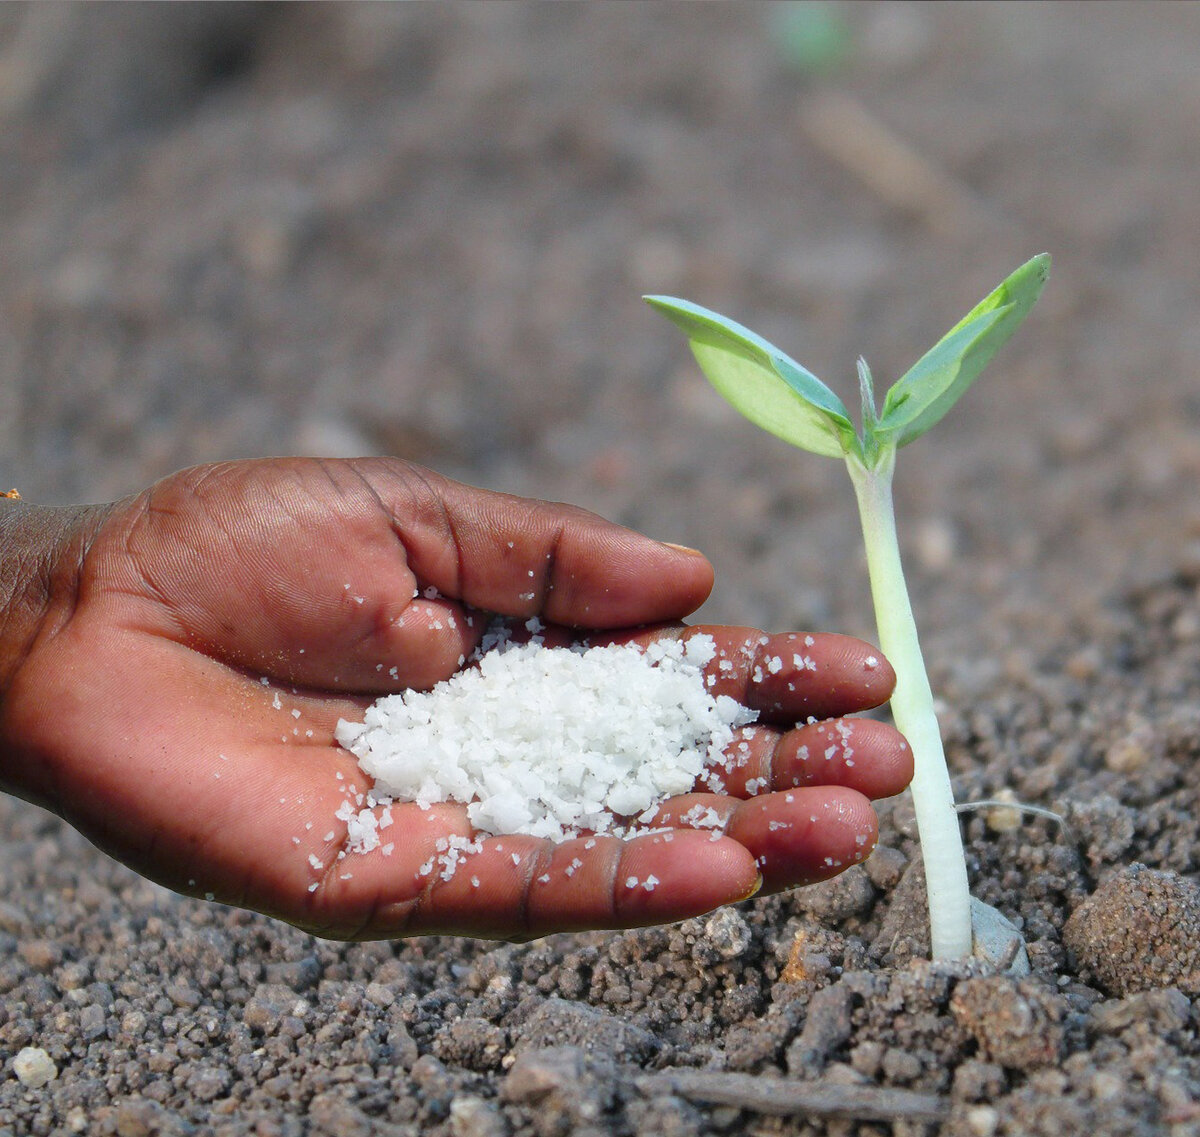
(776, 393)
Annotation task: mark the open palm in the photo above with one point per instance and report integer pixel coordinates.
(178, 702)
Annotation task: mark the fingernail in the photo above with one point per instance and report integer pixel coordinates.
(682, 548)
(754, 891)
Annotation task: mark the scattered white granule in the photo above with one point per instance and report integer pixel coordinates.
(631, 882)
(312, 887)
(316, 864)
(699, 817)
(34, 1067)
(295, 713)
(474, 882)
(773, 826)
(386, 850)
(830, 751)
(649, 883)
(544, 878)
(430, 593)
(551, 741)
(346, 876)
(774, 665)
(295, 840)
(809, 641)
(275, 703)
(871, 663)
(328, 836)
(516, 858)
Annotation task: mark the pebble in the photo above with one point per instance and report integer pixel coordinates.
(34, 1067)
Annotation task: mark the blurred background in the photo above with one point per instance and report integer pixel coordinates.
(234, 230)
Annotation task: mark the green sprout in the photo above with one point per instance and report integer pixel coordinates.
(777, 394)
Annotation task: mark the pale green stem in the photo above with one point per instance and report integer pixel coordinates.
(912, 709)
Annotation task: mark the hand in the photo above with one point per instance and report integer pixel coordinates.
(175, 697)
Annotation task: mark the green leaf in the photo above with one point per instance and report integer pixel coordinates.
(920, 398)
(772, 390)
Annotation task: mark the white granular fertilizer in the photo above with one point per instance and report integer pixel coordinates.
(546, 741)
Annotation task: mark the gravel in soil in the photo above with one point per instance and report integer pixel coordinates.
(234, 230)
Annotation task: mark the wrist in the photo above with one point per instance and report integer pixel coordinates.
(41, 555)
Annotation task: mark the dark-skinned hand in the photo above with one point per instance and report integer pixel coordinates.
(173, 666)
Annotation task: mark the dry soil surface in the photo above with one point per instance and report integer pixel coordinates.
(424, 230)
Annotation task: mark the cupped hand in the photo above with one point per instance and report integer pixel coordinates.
(178, 701)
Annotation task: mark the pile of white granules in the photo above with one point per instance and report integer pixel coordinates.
(549, 741)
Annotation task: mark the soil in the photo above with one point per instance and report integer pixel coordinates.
(424, 230)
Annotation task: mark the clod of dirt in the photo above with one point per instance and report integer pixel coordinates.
(1018, 1023)
(1139, 930)
(569, 1087)
(564, 1023)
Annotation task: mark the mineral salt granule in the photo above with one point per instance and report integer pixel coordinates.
(550, 741)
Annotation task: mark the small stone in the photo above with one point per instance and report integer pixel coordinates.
(34, 1067)
(140, 1117)
(885, 866)
(982, 1120)
(850, 893)
(472, 1116)
(208, 1082)
(728, 933)
(331, 1114)
(183, 996)
(41, 955)
(92, 1021)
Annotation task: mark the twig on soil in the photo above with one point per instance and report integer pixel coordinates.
(904, 178)
(781, 1097)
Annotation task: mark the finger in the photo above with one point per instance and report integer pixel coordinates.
(522, 557)
(309, 571)
(790, 676)
(520, 887)
(796, 837)
(514, 887)
(861, 754)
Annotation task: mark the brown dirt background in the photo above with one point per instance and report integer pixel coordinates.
(233, 231)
